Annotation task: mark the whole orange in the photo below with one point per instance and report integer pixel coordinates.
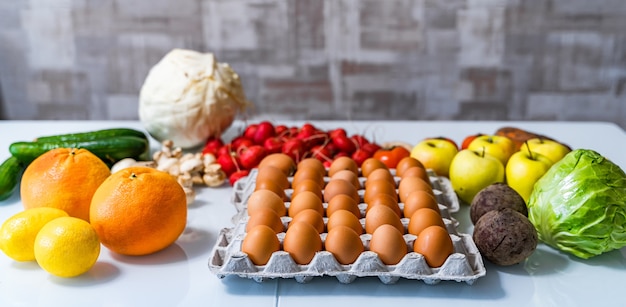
(139, 211)
(63, 178)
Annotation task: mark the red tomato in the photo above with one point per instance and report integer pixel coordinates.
(391, 156)
(469, 139)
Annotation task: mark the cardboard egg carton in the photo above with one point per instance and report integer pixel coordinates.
(464, 265)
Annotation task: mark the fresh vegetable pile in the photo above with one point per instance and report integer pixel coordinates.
(257, 141)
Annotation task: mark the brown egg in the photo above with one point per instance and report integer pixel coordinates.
(270, 185)
(267, 217)
(371, 164)
(272, 173)
(380, 215)
(343, 202)
(417, 172)
(406, 163)
(410, 184)
(343, 163)
(280, 161)
(344, 243)
(307, 173)
(379, 186)
(302, 241)
(417, 200)
(422, 219)
(384, 200)
(348, 176)
(381, 173)
(305, 200)
(345, 218)
(311, 217)
(259, 243)
(340, 186)
(314, 164)
(389, 244)
(307, 185)
(265, 199)
(435, 244)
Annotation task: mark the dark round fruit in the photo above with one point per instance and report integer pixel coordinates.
(505, 236)
(496, 196)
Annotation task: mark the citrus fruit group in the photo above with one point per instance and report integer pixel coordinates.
(67, 247)
(17, 234)
(63, 178)
(138, 211)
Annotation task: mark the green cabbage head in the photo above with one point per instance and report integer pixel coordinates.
(579, 205)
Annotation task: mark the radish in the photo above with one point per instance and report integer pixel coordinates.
(273, 145)
(294, 148)
(264, 131)
(250, 157)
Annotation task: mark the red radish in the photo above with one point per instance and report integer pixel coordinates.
(229, 162)
(359, 156)
(251, 156)
(250, 131)
(212, 146)
(273, 145)
(280, 129)
(294, 148)
(337, 132)
(332, 148)
(224, 150)
(371, 148)
(240, 142)
(264, 131)
(344, 144)
(359, 140)
(232, 178)
(321, 153)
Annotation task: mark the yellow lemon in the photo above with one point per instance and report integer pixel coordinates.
(67, 247)
(17, 234)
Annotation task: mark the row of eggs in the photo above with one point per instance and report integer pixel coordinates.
(326, 201)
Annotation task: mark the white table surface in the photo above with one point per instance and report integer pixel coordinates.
(179, 275)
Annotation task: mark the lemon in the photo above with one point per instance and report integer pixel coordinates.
(67, 247)
(17, 234)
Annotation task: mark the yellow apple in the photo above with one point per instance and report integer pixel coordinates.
(435, 154)
(472, 171)
(524, 169)
(497, 146)
(553, 150)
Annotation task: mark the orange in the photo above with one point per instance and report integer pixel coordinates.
(63, 178)
(139, 211)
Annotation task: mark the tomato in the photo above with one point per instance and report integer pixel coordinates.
(391, 156)
(469, 139)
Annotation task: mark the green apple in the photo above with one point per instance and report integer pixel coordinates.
(553, 150)
(472, 171)
(435, 154)
(497, 146)
(524, 169)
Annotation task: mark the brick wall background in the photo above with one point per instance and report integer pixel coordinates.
(331, 59)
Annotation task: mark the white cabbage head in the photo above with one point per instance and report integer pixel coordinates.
(188, 97)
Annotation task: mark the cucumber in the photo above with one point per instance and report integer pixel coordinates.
(10, 172)
(110, 150)
(92, 135)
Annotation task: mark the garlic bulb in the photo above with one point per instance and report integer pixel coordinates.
(188, 97)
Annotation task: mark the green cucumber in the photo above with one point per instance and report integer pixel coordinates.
(10, 172)
(92, 135)
(110, 150)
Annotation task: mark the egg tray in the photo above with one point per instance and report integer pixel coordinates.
(464, 265)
